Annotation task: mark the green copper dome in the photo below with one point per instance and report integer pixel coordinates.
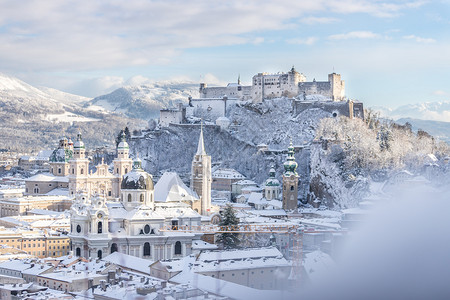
(272, 181)
(290, 166)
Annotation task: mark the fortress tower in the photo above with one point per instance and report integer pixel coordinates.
(201, 176)
(290, 181)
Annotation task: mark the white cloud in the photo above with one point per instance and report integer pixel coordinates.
(306, 41)
(439, 93)
(318, 20)
(91, 35)
(354, 35)
(419, 39)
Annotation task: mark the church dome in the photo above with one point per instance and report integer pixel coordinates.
(123, 142)
(79, 142)
(272, 181)
(137, 179)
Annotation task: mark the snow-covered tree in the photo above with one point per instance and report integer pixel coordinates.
(230, 222)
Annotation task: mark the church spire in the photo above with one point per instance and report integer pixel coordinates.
(201, 144)
(239, 79)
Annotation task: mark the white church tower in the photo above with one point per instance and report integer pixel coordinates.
(123, 163)
(201, 176)
(78, 167)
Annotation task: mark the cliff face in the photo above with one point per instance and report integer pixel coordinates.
(270, 123)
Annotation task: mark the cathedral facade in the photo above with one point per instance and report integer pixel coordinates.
(134, 225)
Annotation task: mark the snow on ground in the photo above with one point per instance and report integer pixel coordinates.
(68, 117)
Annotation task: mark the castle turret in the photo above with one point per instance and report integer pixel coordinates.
(201, 175)
(290, 181)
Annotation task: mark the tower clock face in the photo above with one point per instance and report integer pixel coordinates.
(99, 215)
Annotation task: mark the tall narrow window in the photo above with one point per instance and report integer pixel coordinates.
(129, 197)
(78, 252)
(99, 254)
(177, 248)
(146, 249)
(141, 198)
(100, 229)
(113, 247)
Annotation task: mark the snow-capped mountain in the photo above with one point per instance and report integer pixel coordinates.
(144, 101)
(33, 118)
(433, 111)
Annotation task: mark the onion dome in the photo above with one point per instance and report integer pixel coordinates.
(79, 144)
(290, 166)
(123, 142)
(70, 142)
(137, 178)
(272, 181)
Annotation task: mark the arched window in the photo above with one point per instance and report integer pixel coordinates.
(59, 170)
(113, 247)
(78, 251)
(292, 187)
(177, 248)
(78, 228)
(126, 170)
(147, 229)
(82, 171)
(99, 227)
(99, 254)
(146, 249)
(129, 197)
(117, 170)
(141, 198)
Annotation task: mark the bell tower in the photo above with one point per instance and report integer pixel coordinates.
(290, 181)
(79, 167)
(201, 175)
(123, 163)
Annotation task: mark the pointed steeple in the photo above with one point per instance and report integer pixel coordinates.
(239, 79)
(201, 143)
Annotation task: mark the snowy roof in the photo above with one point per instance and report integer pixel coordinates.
(239, 254)
(245, 182)
(256, 198)
(37, 269)
(202, 245)
(269, 212)
(58, 192)
(129, 262)
(227, 173)
(251, 189)
(47, 177)
(16, 265)
(228, 289)
(170, 188)
(69, 276)
(143, 212)
(317, 264)
(38, 211)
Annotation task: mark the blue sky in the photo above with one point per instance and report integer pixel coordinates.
(389, 53)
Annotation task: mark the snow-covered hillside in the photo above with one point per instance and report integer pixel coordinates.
(144, 101)
(33, 118)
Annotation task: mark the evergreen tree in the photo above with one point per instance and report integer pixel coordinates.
(230, 222)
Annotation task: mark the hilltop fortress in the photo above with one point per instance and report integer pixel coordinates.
(267, 86)
(214, 103)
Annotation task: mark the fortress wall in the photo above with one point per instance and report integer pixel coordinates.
(316, 87)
